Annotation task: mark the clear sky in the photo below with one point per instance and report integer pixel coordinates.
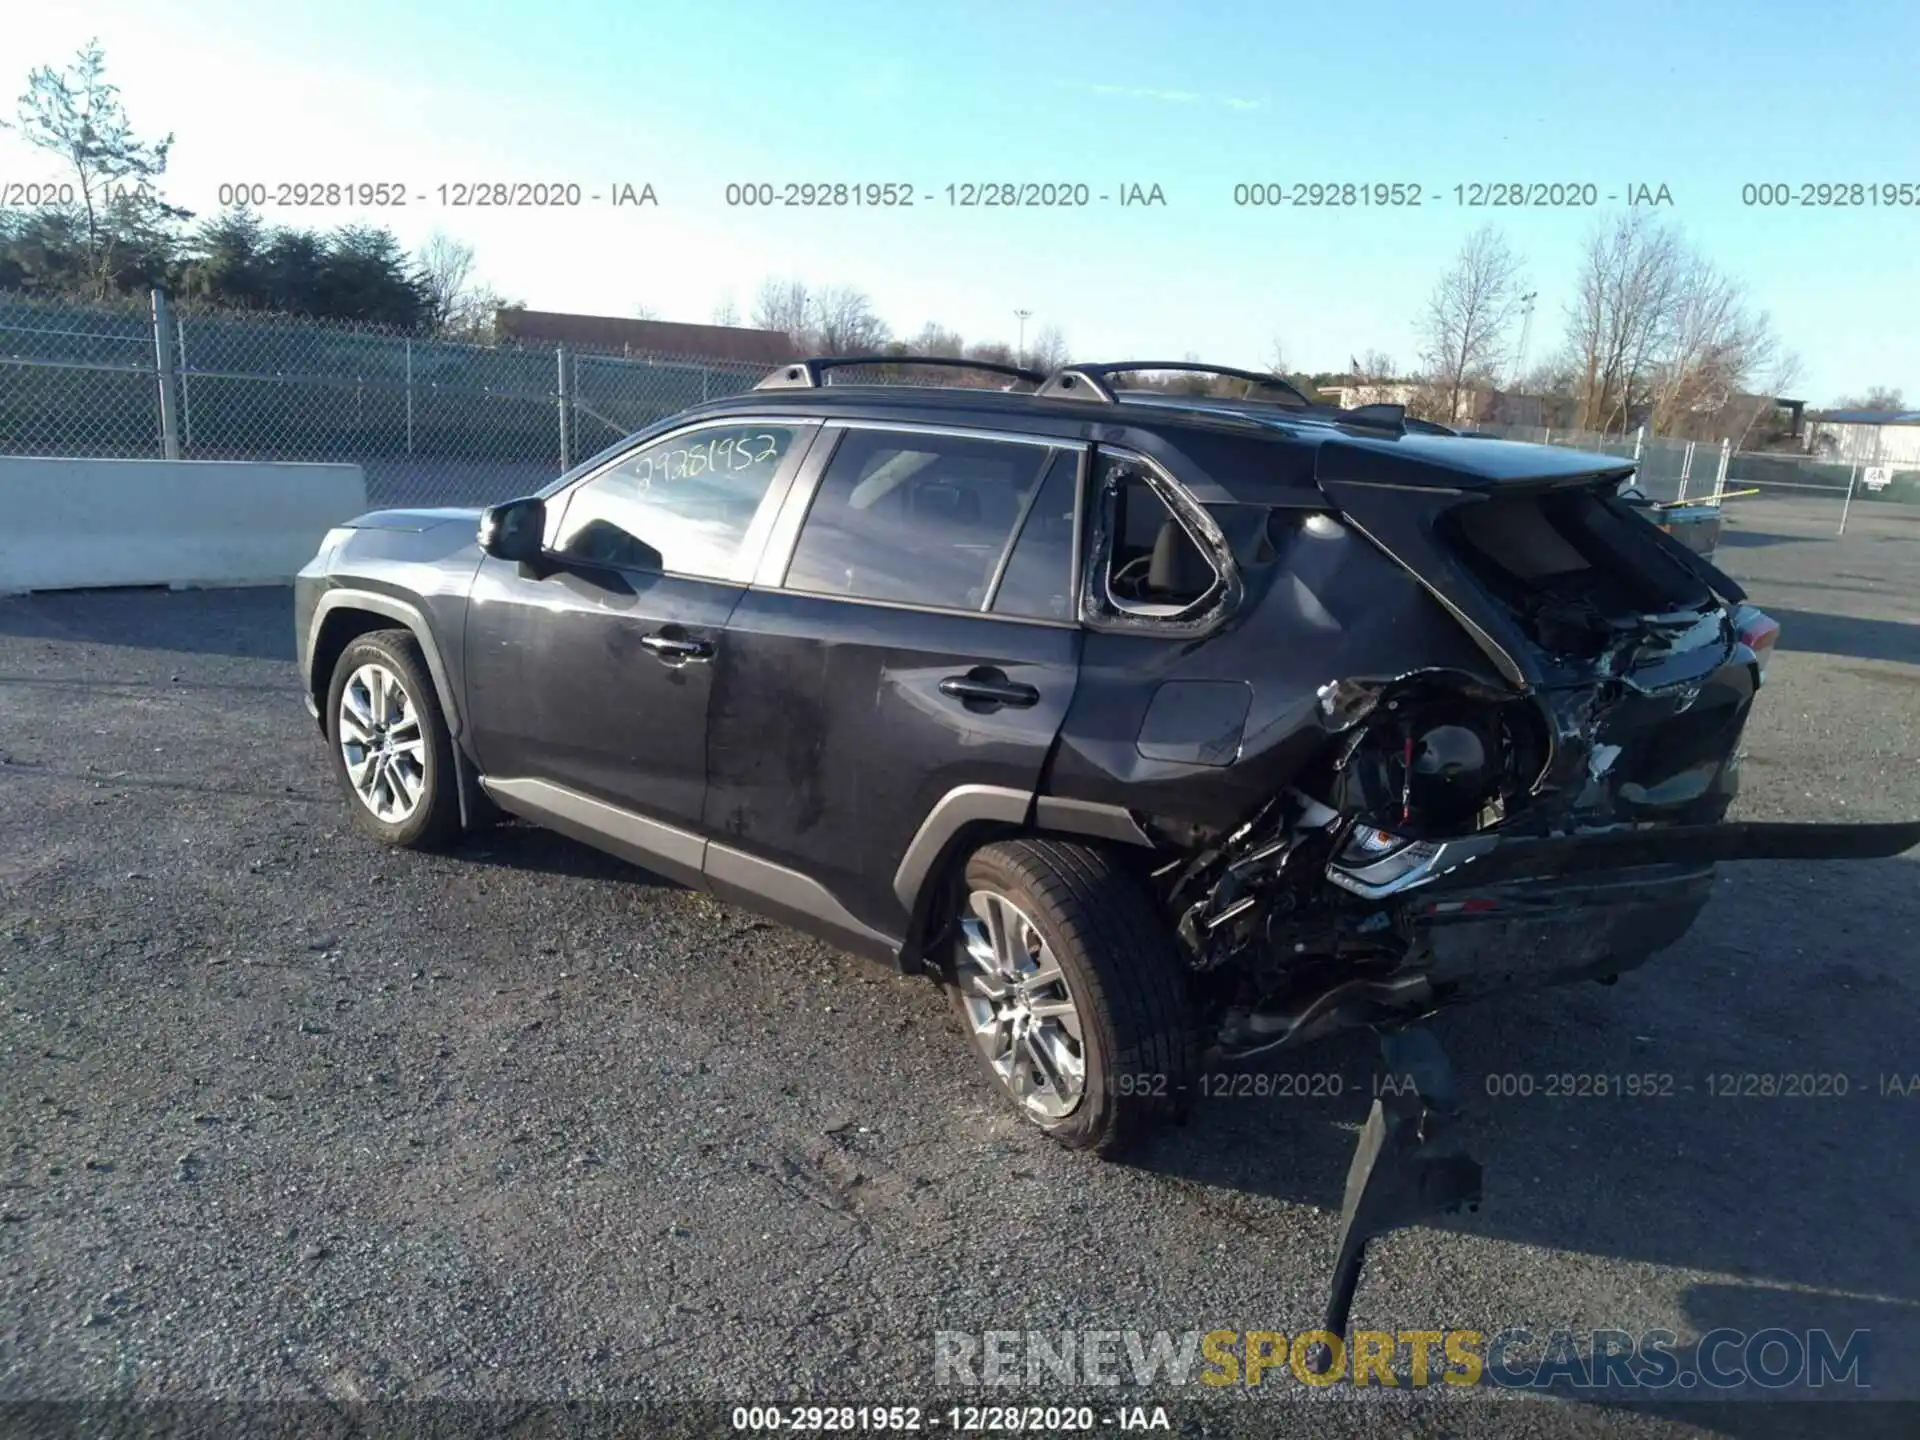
(1699, 97)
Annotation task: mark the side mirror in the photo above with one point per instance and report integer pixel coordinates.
(515, 530)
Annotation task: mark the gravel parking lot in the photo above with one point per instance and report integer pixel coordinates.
(289, 1116)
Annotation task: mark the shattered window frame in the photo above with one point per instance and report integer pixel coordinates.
(1111, 467)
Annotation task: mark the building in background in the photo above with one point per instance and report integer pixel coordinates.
(611, 334)
(1871, 437)
(1420, 397)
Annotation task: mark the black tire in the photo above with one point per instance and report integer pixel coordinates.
(434, 821)
(1124, 976)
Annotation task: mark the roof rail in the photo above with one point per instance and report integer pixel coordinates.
(806, 374)
(1091, 382)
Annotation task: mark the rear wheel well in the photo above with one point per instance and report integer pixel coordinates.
(934, 911)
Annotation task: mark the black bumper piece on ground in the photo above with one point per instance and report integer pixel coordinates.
(1407, 1165)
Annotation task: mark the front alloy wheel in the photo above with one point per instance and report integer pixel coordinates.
(1021, 1007)
(391, 748)
(382, 743)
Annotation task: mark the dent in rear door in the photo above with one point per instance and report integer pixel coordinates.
(830, 738)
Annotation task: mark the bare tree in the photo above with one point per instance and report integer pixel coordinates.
(783, 305)
(725, 311)
(1764, 406)
(644, 311)
(1467, 319)
(1879, 397)
(842, 322)
(445, 267)
(1048, 352)
(1376, 367)
(1553, 376)
(1277, 356)
(934, 338)
(1713, 346)
(1622, 316)
(997, 352)
(475, 321)
(488, 305)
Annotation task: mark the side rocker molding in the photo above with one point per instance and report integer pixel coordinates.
(799, 900)
(728, 874)
(663, 849)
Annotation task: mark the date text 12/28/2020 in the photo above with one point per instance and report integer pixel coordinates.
(1472, 195)
(962, 195)
(454, 194)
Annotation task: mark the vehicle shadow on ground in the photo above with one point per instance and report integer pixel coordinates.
(1760, 1419)
(1801, 1203)
(1823, 634)
(516, 845)
(255, 623)
(1756, 539)
(1813, 1351)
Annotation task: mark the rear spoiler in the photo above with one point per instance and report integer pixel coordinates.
(1453, 464)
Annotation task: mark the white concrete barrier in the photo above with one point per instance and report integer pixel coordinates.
(69, 524)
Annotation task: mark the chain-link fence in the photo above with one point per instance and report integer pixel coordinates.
(439, 423)
(433, 422)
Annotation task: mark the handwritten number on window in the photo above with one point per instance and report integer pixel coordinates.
(689, 462)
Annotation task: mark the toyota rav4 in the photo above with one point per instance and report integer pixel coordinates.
(1157, 726)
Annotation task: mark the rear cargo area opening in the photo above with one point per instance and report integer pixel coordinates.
(1574, 565)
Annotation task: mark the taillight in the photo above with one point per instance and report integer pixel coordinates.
(1759, 632)
(1368, 843)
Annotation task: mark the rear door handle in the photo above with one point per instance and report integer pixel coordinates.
(677, 650)
(989, 687)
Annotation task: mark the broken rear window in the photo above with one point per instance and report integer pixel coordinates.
(1155, 567)
(1569, 563)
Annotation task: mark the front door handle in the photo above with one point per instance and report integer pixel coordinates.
(986, 686)
(676, 649)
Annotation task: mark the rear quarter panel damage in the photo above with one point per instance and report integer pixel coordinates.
(1202, 731)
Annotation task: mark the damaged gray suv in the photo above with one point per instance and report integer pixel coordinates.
(1163, 728)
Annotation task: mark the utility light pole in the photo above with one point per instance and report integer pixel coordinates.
(1020, 354)
(1526, 330)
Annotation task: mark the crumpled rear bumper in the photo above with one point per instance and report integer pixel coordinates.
(1523, 934)
(1513, 912)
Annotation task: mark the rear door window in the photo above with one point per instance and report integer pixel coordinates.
(1037, 582)
(917, 519)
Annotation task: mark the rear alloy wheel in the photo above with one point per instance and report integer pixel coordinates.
(390, 743)
(1020, 1007)
(1070, 987)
